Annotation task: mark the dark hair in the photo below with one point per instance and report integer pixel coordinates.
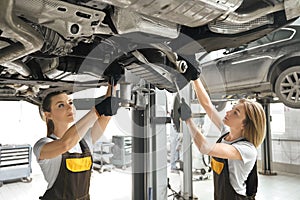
(46, 107)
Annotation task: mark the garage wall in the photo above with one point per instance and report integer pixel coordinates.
(286, 146)
(20, 123)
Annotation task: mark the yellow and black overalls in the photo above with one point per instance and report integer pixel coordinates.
(222, 187)
(73, 180)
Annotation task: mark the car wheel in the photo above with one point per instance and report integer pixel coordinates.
(287, 87)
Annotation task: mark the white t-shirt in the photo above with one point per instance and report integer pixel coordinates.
(50, 167)
(240, 169)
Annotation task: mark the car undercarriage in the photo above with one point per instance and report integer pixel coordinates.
(70, 45)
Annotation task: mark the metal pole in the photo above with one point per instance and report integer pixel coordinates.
(266, 146)
(149, 152)
(187, 150)
(138, 159)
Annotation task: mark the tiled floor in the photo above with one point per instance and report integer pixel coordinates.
(116, 185)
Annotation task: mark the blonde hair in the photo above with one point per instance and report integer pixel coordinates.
(255, 122)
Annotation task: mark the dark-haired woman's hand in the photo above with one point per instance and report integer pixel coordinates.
(109, 106)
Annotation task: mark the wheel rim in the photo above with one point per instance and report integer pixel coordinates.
(290, 87)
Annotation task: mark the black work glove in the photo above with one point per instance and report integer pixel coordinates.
(114, 73)
(193, 70)
(174, 114)
(109, 106)
(184, 110)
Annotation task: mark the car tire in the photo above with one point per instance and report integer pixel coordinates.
(287, 87)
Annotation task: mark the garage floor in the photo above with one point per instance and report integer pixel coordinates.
(116, 185)
(281, 186)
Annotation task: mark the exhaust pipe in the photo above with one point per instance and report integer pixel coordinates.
(29, 40)
(236, 18)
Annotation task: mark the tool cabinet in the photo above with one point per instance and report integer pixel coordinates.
(15, 163)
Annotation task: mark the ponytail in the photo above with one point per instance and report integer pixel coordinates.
(50, 127)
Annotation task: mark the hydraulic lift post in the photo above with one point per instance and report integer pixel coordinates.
(266, 147)
(187, 149)
(138, 149)
(149, 152)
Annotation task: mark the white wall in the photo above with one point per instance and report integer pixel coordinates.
(20, 123)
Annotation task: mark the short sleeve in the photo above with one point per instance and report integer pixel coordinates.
(49, 167)
(247, 150)
(88, 139)
(38, 146)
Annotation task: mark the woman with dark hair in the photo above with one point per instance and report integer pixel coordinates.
(235, 153)
(65, 154)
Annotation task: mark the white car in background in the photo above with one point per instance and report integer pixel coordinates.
(265, 69)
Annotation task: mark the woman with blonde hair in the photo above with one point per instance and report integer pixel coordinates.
(234, 154)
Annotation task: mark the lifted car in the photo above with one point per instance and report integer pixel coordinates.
(268, 68)
(71, 45)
